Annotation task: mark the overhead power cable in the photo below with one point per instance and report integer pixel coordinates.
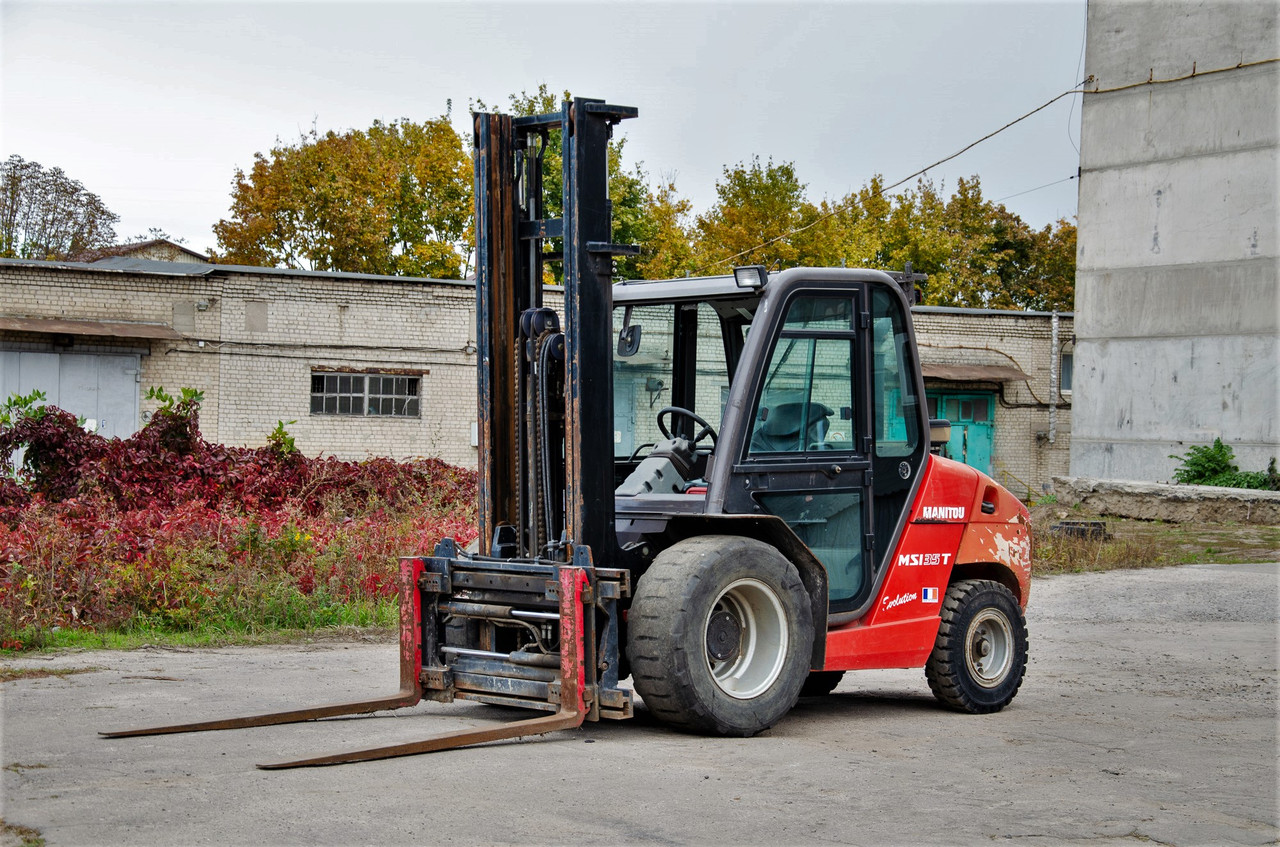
(1037, 188)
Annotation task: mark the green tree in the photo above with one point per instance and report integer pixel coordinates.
(1052, 282)
(628, 191)
(757, 206)
(45, 214)
(976, 253)
(392, 199)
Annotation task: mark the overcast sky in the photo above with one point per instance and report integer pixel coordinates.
(153, 105)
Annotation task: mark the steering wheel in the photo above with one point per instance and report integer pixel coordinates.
(677, 411)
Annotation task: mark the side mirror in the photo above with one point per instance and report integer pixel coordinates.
(939, 431)
(629, 341)
(628, 336)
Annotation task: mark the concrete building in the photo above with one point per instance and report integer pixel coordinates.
(1177, 291)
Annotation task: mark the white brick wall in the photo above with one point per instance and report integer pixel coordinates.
(253, 378)
(1023, 459)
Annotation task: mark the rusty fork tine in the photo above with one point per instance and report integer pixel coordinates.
(410, 692)
(402, 699)
(444, 741)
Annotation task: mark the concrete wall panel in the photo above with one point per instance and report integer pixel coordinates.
(1127, 41)
(1185, 300)
(1148, 461)
(1151, 398)
(1158, 123)
(1219, 208)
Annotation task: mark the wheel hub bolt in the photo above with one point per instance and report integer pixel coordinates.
(724, 634)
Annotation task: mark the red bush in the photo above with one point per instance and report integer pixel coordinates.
(170, 528)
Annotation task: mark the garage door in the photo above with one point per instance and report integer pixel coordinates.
(99, 387)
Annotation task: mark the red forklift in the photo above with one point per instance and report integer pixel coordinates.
(721, 488)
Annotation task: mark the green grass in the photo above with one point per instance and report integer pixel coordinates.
(289, 617)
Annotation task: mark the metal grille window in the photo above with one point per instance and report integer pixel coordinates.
(385, 395)
(393, 395)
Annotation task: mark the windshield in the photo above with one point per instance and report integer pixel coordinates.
(682, 358)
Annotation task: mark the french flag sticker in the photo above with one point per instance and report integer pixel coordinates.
(928, 595)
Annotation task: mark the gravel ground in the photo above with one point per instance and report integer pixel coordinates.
(1148, 714)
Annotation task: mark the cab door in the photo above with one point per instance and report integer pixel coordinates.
(805, 455)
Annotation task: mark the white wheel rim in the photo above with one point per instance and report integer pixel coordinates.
(761, 650)
(988, 649)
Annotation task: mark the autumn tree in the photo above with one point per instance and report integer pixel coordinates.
(976, 253)
(45, 214)
(663, 234)
(392, 199)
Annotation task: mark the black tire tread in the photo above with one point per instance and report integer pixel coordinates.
(944, 670)
(663, 603)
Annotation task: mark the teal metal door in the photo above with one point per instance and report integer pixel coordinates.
(972, 428)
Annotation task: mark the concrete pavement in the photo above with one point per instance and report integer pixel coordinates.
(1148, 714)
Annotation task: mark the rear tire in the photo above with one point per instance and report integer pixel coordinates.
(980, 655)
(720, 636)
(820, 683)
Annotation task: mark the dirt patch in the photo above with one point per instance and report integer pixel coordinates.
(8, 674)
(12, 835)
(1131, 543)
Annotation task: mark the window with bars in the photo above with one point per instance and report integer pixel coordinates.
(382, 395)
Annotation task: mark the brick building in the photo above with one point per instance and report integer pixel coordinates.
(368, 365)
(363, 365)
(1003, 379)
(158, 249)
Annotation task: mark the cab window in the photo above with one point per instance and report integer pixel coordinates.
(807, 400)
(897, 429)
(659, 373)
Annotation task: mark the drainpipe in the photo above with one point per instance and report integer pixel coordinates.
(1053, 376)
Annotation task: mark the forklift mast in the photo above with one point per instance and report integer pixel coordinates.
(545, 463)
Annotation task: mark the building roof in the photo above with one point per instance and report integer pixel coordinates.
(134, 248)
(152, 267)
(972, 373)
(970, 312)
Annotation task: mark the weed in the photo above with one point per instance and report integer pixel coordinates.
(18, 767)
(1140, 544)
(12, 674)
(1215, 464)
(25, 836)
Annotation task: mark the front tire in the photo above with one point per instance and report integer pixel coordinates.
(720, 635)
(980, 655)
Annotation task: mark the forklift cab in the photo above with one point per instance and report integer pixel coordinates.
(799, 398)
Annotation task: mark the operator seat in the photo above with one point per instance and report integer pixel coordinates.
(778, 427)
